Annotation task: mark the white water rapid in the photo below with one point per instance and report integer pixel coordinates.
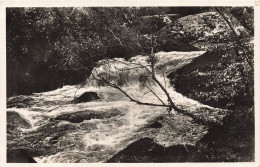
(118, 121)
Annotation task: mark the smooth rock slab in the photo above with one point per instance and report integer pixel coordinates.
(80, 116)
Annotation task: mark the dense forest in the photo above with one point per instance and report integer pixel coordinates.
(49, 47)
(206, 53)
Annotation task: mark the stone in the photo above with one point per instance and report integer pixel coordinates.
(147, 150)
(80, 116)
(51, 140)
(20, 101)
(15, 120)
(87, 97)
(155, 124)
(209, 27)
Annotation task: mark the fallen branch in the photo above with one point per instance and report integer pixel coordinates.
(171, 104)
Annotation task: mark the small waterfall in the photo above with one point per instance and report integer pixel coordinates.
(133, 75)
(119, 71)
(135, 71)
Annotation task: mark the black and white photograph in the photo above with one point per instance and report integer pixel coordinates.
(131, 84)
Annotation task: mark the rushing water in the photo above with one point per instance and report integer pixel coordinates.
(123, 121)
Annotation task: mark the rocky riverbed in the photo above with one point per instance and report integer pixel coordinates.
(51, 127)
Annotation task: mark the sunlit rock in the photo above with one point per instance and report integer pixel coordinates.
(210, 27)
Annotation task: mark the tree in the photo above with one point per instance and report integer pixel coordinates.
(147, 35)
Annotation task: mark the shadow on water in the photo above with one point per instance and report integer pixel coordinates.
(19, 156)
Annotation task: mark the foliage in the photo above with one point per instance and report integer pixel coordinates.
(245, 16)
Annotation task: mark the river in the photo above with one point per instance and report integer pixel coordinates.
(113, 120)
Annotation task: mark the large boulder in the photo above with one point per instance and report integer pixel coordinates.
(214, 78)
(210, 27)
(147, 150)
(175, 42)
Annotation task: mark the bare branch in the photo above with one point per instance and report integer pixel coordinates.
(139, 64)
(147, 92)
(124, 92)
(125, 69)
(164, 78)
(171, 104)
(115, 36)
(155, 94)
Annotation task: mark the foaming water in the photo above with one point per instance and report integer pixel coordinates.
(97, 139)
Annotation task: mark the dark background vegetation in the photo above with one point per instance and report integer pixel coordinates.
(50, 47)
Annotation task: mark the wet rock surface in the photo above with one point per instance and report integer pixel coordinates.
(86, 97)
(80, 116)
(84, 136)
(41, 141)
(20, 101)
(155, 124)
(14, 121)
